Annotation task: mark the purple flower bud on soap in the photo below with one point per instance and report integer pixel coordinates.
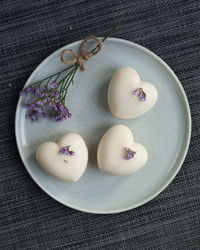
(66, 151)
(136, 92)
(62, 151)
(130, 154)
(142, 96)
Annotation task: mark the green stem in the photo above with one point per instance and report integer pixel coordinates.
(39, 83)
(114, 28)
(48, 80)
(70, 81)
(110, 33)
(65, 80)
(57, 77)
(60, 72)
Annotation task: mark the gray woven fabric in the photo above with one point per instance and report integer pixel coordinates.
(33, 29)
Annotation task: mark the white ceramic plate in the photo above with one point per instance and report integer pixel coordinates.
(165, 130)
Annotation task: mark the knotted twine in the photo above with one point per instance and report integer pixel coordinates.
(84, 56)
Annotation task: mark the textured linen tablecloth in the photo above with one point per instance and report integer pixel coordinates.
(33, 29)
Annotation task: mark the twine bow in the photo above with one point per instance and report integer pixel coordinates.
(84, 56)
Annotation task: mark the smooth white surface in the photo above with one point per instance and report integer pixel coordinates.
(64, 167)
(164, 130)
(111, 153)
(121, 100)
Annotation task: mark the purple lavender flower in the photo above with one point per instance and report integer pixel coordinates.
(35, 111)
(136, 92)
(130, 154)
(140, 93)
(53, 85)
(55, 93)
(39, 109)
(42, 92)
(46, 96)
(30, 106)
(142, 96)
(52, 105)
(62, 151)
(66, 151)
(22, 92)
(62, 109)
(28, 89)
(43, 115)
(58, 118)
(37, 91)
(62, 113)
(33, 116)
(41, 101)
(69, 115)
(43, 89)
(32, 90)
(25, 91)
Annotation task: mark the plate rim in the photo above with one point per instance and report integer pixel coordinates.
(184, 149)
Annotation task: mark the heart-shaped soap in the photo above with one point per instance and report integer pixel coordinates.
(128, 96)
(66, 160)
(118, 154)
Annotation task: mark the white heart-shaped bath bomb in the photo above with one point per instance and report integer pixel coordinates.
(111, 154)
(121, 100)
(61, 166)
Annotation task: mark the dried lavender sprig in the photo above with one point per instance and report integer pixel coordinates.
(56, 98)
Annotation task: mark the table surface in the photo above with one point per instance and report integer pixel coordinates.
(30, 31)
